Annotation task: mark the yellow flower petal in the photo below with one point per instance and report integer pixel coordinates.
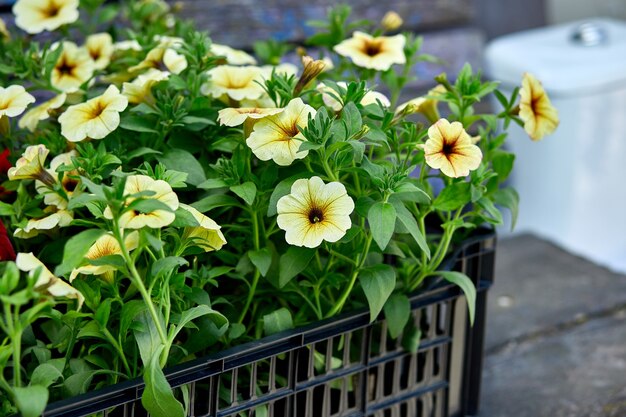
(100, 49)
(278, 138)
(31, 118)
(73, 68)
(35, 16)
(329, 96)
(539, 115)
(314, 212)
(30, 165)
(14, 100)
(95, 118)
(55, 286)
(378, 53)
(207, 235)
(450, 149)
(236, 116)
(140, 90)
(233, 56)
(238, 83)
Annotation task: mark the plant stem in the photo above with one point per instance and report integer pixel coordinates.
(257, 273)
(360, 261)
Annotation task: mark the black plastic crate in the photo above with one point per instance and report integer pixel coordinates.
(341, 367)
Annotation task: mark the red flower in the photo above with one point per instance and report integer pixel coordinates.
(4, 162)
(6, 248)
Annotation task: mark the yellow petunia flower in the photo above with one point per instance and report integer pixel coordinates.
(378, 53)
(238, 83)
(46, 280)
(35, 16)
(13, 100)
(450, 149)
(154, 219)
(140, 89)
(95, 118)
(31, 118)
(207, 235)
(278, 138)
(329, 96)
(535, 109)
(236, 116)
(100, 49)
(106, 245)
(233, 56)
(73, 68)
(69, 183)
(30, 165)
(314, 212)
(56, 219)
(426, 105)
(164, 57)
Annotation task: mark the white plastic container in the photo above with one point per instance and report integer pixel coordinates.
(572, 184)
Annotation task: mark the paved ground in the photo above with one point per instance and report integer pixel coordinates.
(556, 335)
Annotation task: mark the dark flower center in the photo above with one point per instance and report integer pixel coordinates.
(70, 185)
(97, 110)
(372, 48)
(51, 10)
(316, 215)
(65, 68)
(448, 148)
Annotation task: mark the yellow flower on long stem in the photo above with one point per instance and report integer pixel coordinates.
(32, 117)
(207, 235)
(155, 219)
(106, 245)
(450, 149)
(13, 100)
(278, 138)
(535, 109)
(378, 53)
(100, 49)
(314, 212)
(46, 280)
(31, 166)
(95, 118)
(73, 68)
(35, 16)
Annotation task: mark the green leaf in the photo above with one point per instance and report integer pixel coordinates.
(453, 197)
(10, 279)
(6, 209)
(503, 164)
(382, 220)
(215, 201)
(262, 259)
(397, 312)
(466, 284)
(352, 117)
(183, 161)
(75, 250)
(487, 205)
(508, 197)
(31, 401)
(45, 375)
(277, 321)
(213, 183)
(167, 264)
(130, 310)
(138, 124)
(378, 282)
(158, 398)
(79, 382)
(407, 191)
(407, 220)
(184, 219)
(199, 311)
(147, 205)
(113, 260)
(411, 338)
(246, 191)
(292, 262)
(140, 152)
(103, 312)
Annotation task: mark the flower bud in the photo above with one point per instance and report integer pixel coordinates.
(391, 21)
(312, 68)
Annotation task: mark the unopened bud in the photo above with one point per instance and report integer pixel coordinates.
(301, 51)
(312, 68)
(391, 21)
